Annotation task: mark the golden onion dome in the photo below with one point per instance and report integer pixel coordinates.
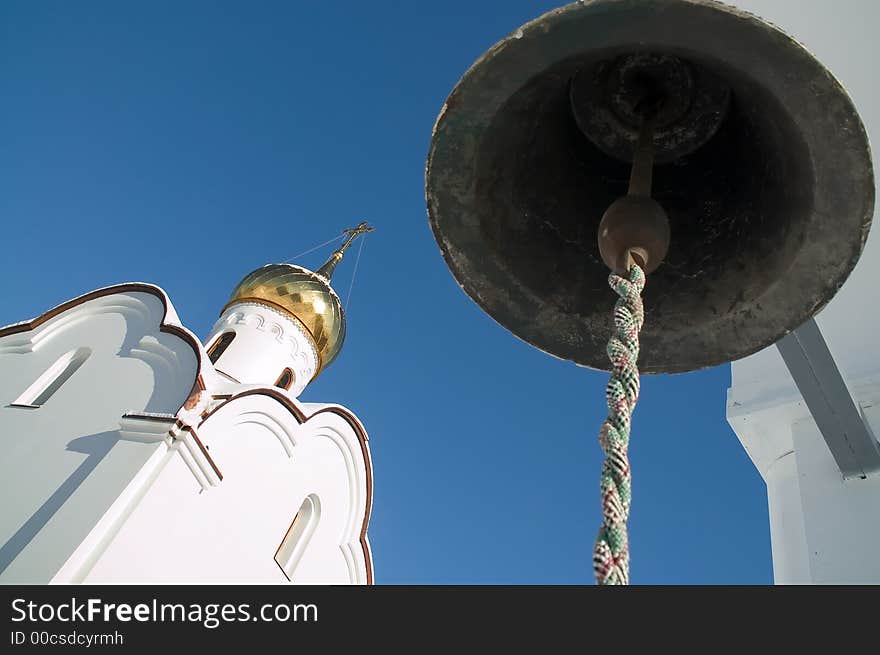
(303, 295)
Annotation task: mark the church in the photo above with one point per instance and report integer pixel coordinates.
(140, 455)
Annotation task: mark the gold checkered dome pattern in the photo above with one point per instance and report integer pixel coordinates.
(304, 295)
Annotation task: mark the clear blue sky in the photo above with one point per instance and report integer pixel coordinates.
(186, 143)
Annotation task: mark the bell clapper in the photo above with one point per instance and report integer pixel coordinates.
(635, 229)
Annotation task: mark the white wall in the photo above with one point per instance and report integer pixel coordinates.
(266, 342)
(823, 529)
(113, 479)
(65, 462)
(185, 528)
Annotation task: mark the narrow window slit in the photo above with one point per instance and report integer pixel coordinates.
(220, 346)
(53, 378)
(285, 379)
(298, 535)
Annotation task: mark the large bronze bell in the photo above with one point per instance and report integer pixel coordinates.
(762, 166)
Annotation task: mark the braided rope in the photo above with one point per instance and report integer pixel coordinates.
(611, 553)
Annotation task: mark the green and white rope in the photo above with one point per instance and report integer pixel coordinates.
(611, 553)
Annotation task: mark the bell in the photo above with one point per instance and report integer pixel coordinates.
(761, 187)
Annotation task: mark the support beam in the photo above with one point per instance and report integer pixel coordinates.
(839, 418)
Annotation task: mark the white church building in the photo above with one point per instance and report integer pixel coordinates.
(137, 454)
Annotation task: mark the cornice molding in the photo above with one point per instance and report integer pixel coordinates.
(169, 327)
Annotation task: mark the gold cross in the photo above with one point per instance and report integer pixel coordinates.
(353, 233)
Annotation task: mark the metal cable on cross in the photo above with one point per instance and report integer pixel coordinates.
(611, 553)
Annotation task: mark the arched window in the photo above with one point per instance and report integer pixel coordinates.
(299, 533)
(52, 379)
(285, 379)
(220, 346)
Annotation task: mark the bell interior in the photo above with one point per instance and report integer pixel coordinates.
(737, 205)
